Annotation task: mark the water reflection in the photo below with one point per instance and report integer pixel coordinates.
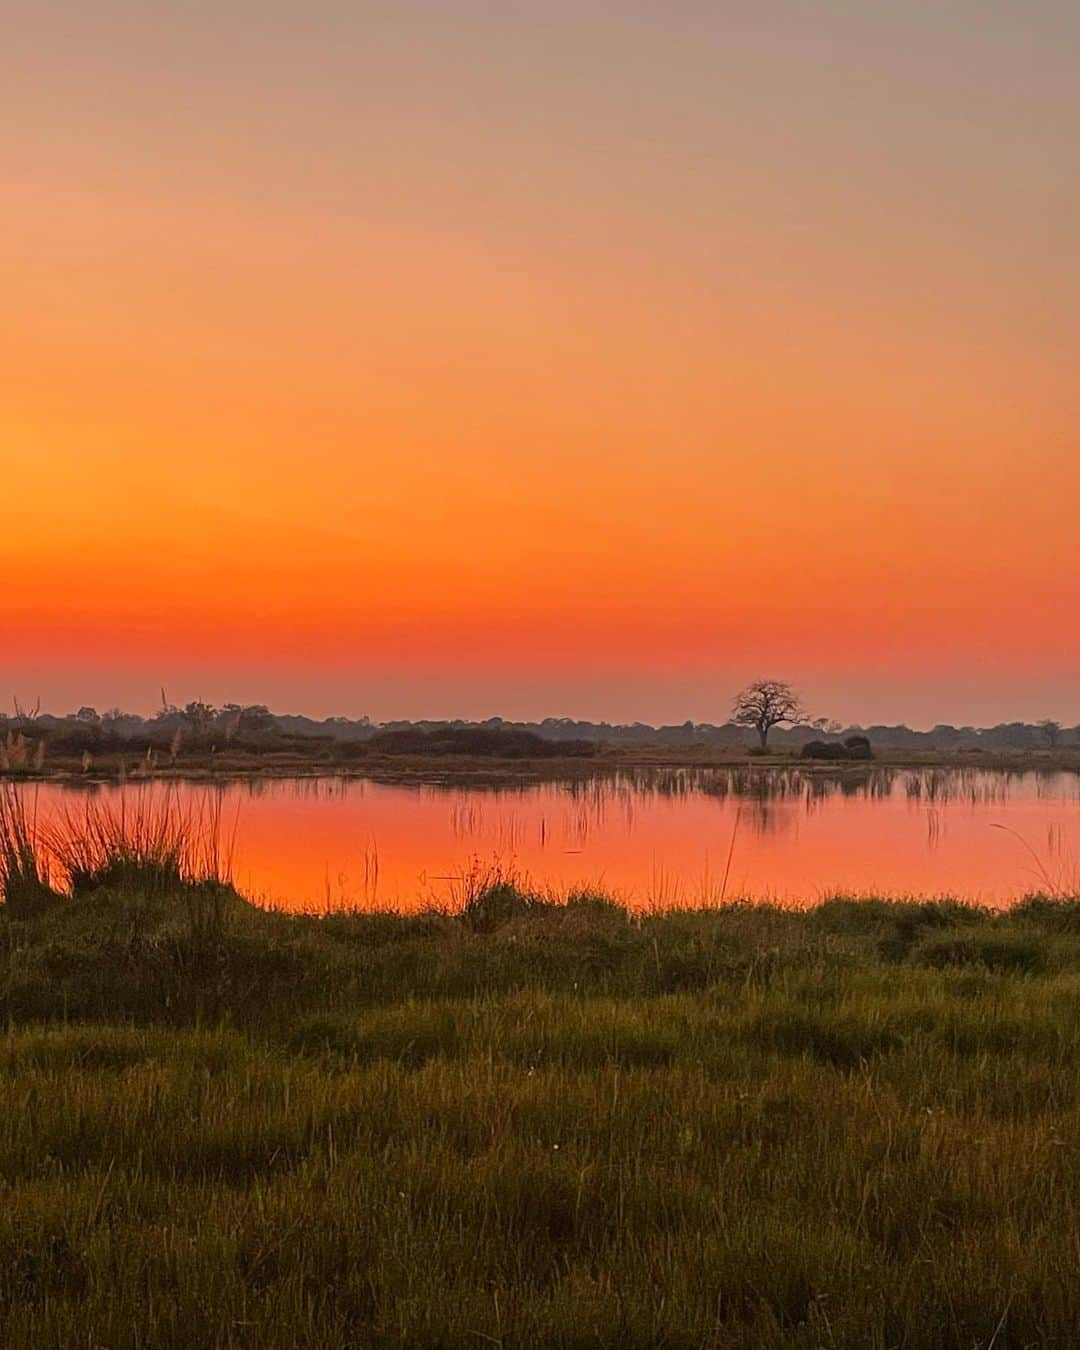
(659, 836)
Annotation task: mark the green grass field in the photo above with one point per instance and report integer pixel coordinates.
(538, 1125)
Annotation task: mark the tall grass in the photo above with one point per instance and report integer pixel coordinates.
(488, 894)
(146, 841)
(25, 886)
(845, 1158)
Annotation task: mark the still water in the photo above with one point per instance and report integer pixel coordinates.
(652, 838)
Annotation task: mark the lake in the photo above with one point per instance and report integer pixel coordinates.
(653, 837)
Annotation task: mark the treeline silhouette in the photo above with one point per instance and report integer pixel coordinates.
(505, 742)
(255, 727)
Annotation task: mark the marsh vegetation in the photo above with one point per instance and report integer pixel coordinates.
(652, 837)
(524, 1123)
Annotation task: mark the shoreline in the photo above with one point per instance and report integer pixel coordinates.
(465, 769)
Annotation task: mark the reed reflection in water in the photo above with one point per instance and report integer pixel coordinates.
(654, 837)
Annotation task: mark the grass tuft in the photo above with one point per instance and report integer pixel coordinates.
(147, 843)
(25, 883)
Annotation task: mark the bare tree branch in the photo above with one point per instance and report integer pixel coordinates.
(764, 704)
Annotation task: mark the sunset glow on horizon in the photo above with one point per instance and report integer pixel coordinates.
(586, 359)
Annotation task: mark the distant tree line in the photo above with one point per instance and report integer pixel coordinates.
(199, 724)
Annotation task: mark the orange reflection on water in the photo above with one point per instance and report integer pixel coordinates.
(651, 839)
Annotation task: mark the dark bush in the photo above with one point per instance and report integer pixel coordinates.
(853, 748)
(495, 741)
(822, 750)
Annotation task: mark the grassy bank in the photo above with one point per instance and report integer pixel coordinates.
(526, 1124)
(538, 1125)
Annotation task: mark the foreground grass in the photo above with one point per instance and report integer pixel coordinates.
(539, 1125)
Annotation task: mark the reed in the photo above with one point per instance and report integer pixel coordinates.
(146, 842)
(25, 882)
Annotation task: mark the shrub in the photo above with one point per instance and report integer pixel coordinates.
(853, 748)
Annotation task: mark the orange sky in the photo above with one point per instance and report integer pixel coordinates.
(460, 358)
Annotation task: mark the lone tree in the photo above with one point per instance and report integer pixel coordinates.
(764, 704)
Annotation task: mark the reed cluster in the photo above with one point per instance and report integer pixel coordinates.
(24, 870)
(147, 843)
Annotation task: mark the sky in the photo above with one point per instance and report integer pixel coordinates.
(560, 357)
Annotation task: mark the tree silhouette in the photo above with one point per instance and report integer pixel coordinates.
(764, 704)
(1051, 731)
(198, 716)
